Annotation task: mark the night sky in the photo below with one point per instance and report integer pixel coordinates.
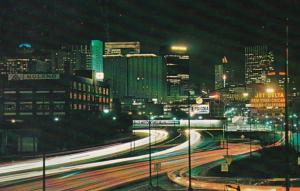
(211, 29)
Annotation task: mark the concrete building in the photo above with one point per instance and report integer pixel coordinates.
(52, 96)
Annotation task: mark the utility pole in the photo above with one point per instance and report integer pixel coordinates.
(190, 160)
(250, 142)
(44, 150)
(286, 114)
(150, 163)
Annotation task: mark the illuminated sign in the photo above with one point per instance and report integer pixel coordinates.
(17, 77)
(25, 45)
(268, 100)
(157, 122)
(204, 109)
(200, 109)
(199, 100)
(179, 48)
(99, 76)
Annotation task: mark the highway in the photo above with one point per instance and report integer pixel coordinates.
(99, 176)
(30, 173)
(100, 179)
(81, 157)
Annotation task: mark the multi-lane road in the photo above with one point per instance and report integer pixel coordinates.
(117, 172)
(15, 173)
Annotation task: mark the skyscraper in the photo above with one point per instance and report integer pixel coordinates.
(258, 63)
(88, 56)
(177, 63)
(146, 76)
(97, 58)
(115, 69)
(223, 74)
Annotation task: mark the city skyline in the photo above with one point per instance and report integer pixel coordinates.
(149, 95)
(210, 30)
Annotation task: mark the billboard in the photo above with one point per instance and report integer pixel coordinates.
(268, 100)
(200, 109)
(16, 77)
(206, 123)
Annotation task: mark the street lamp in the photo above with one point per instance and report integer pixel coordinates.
(56, 119)
(189, 134)
(174, 120)
(250, 142)
(150, 158)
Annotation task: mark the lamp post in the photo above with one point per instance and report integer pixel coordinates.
(189, 134)
(286, 114)
(44, 150)
(250, 142)
(150, 159)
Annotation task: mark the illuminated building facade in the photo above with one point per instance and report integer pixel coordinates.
(146, 77)
(177, 63)
(27, 95)
(258, 63)
(97, 58)
(51, 97)
(25, 60)
(122, 48)
(115, 69)
(136, 75)
(24, 65)
(87, 57)
(223, 74)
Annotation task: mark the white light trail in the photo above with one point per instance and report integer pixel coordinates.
(156, 136)
(195, 139)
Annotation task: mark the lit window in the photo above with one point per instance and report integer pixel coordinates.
(74, 85)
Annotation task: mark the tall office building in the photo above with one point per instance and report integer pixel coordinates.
(258, 63)
(97, 58)
(80, 56)
(115, 69)
(177, 63)
(223, 74)
(87, 56)
(146, 77)
(122, 48)
(25, 60)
